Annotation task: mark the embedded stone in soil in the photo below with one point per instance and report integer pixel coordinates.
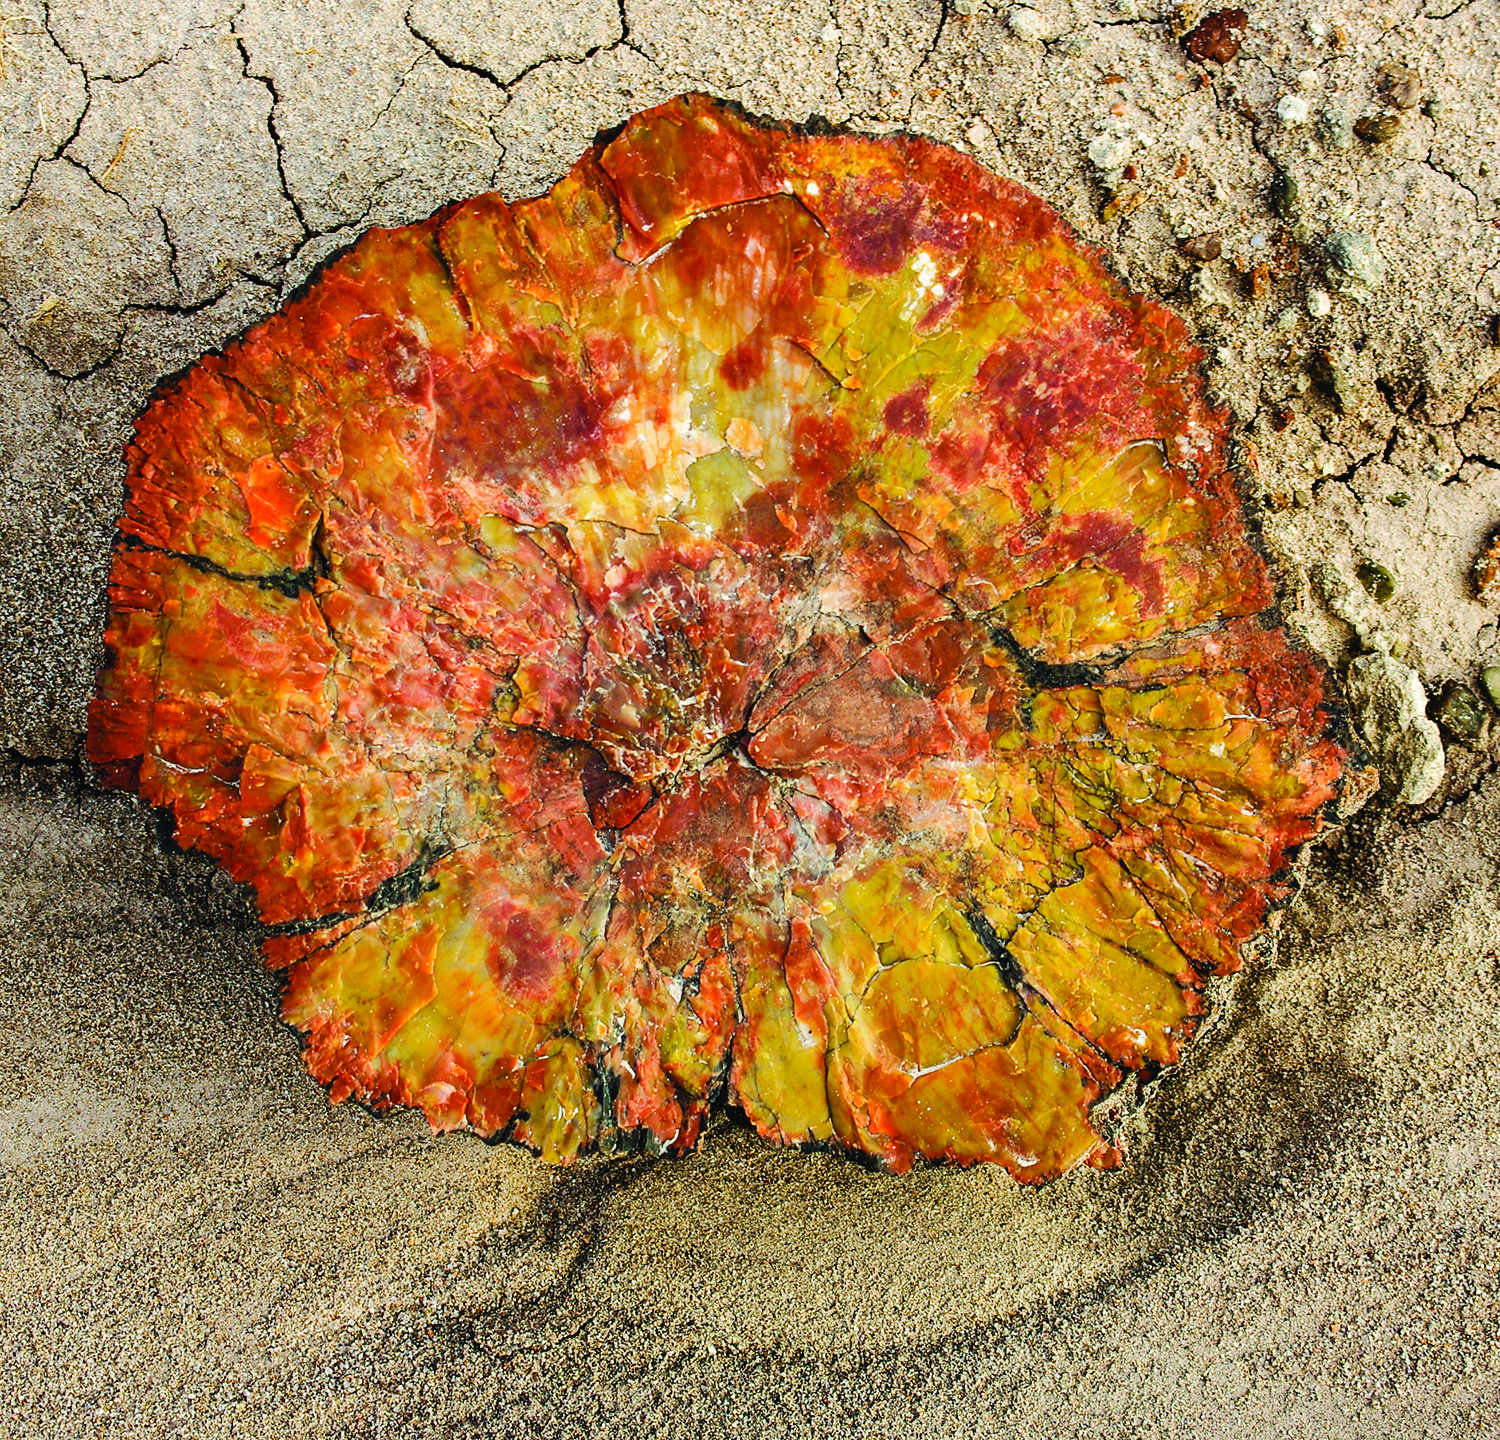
(770, 617)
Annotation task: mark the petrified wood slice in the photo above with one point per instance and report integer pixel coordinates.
(770, 615)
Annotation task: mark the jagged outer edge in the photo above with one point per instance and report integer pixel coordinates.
(1332, 705)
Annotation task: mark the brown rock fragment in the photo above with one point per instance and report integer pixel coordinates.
(1203, 248)
(1487, 574)
(1217, 36)
(1377, 129)
(1401, 85)
(1127, 202)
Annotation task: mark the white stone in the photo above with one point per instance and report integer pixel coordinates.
(1292, 111)
(1028, 24)
(1318, 304)
(1355, 263)
(1390, 707)
(1109, 152)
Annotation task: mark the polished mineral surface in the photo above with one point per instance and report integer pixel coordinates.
(770, 616)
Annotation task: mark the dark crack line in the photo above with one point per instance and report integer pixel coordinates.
(308, 232)
(72, 135)
(385, 109)
(172, 256)
(1437, 169)
(1447, 14)
(289, 583)
(106, 78)
(452, 62)
(66, 375)
(937, 39)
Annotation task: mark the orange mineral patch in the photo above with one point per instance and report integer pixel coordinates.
(768, 618)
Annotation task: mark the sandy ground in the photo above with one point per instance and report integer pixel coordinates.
(1305, 1236)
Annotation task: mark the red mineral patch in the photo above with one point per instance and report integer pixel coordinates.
(770, 617)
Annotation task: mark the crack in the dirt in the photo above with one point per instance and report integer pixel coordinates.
(385, 109)
(1463, 185)
(46, 366)
(105, 77)
(73, 763)
(172, 256)
(452, 62)
(57, 150)
(1447, 14)
(944, 12)
(308, 232)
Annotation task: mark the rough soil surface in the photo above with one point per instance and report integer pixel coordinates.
(1305, 1236)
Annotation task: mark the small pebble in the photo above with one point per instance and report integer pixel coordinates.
(1203, 247)
(1308, 80)
(1028, 24)
(1379, 583)
(1217, 37)
(1209, 291)
(1489, 677)
(1331, 379)
(1125, 202)
(1257, 242)
(1334, 130)
(1292, 110)
(1461, 714)
(1109, 152)
(830, 34)
(977, 133)
(1400, 499)
(1287, 319)
(1354, 261)
(1317, 28)
(1487, 574)
(1401, 85)
(1283, 194)
(1377, 129)
(1433, 109)
(1318, 304)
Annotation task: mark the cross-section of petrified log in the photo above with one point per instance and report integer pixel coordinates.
(769, 616)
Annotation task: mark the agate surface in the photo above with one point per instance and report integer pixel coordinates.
(769, 619)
